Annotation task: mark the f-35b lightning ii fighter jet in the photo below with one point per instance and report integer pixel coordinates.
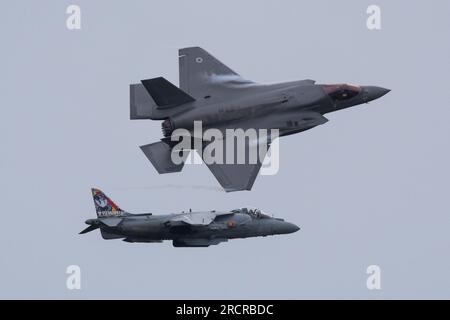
(220, 98)
(186, 229)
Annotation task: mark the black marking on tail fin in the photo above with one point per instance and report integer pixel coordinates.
(165, 94)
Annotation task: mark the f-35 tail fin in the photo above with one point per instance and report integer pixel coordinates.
(199, 70)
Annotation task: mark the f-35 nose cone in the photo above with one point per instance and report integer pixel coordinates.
(372, 93)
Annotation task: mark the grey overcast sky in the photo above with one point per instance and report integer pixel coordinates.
(369, 187)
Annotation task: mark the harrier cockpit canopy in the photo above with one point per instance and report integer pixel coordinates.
(255, 213)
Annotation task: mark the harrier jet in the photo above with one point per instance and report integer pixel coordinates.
(186, 229)
(221, 99)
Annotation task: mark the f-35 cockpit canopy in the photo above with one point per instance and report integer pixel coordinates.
(339, 92)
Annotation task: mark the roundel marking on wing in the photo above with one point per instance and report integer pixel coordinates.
(231, 224)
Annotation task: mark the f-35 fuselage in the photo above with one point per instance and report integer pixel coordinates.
(270, 106)
(212, 94)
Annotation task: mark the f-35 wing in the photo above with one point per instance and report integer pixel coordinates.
(237, 176)
(234, 175)
(237, 171)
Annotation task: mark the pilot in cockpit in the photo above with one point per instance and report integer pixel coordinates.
(254, 212)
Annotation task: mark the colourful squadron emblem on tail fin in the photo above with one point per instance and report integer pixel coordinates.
(104, 206)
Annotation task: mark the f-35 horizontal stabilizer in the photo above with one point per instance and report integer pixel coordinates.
(165, 94)
(159, 154)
